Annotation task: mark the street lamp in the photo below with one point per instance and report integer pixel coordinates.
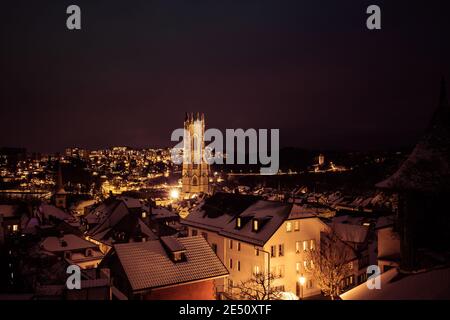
(301, 281)
(174, 194)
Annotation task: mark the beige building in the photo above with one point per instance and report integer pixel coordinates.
(253, 236)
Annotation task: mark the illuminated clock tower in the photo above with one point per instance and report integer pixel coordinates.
(195, 173)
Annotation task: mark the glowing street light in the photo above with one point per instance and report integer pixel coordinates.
(174, 194)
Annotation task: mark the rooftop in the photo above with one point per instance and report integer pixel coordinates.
(147, 264)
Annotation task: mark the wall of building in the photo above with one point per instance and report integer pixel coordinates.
(245, 261)
(203, 290)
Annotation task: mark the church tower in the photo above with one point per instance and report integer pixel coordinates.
(61, 194)
(195, 174)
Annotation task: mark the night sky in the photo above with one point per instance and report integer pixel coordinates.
(308, 67)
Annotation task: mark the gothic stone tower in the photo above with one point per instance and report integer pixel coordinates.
(195, 174)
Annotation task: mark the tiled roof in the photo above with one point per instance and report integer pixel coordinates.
(147, 264)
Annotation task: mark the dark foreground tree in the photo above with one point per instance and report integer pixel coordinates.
(331, 263)
(258, 287)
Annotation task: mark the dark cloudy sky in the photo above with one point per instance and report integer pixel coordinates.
(307, 67)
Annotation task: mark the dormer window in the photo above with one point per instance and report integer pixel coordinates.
(238, 222)
(178, 256)
(144, 214)
(175, 250)
(255, 225)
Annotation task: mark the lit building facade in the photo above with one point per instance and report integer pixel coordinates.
(195, 172)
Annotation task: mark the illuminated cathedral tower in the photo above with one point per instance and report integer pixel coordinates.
(195, 175)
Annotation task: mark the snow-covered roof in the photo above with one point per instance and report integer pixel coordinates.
(8, 211)
(426, 285)
(270, 214)
(48, 210)
(428, 166)
(147, 264)
(351, 232)
(68, 242)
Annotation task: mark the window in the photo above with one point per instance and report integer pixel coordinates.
(205, 235)
(238, 266)
(230, 244)
(305, 245)
(144, 214)
(288, 226)
(309, 284)
(194, 232)
(298, 267)
(281, 250)
(257, 252)
(15, 227)
(256, 270)
(214, 247)
(296, 225)
(230, 264)
(305, 265)
(297, 246)
(312, 244)
(280, 271)
(239, 246)
(255, 225)
(230, 283)
(238, 222)
(273, 251)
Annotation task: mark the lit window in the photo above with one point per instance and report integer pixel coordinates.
(144, 214)
(296, 225)
(238, 222)
(255, 225)
(312, 244)
(305, 245)
(288, 226)
(297, 246)
(256, 270)
(15, 227)
(298, 267)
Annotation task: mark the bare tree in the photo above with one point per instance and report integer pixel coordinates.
(258, 287)
(331, 263)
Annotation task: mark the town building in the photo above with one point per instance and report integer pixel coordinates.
(253, 236)
(166, 269)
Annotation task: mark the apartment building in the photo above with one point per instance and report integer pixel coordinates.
(253, 236)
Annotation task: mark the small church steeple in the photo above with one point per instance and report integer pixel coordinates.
(61, 194)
